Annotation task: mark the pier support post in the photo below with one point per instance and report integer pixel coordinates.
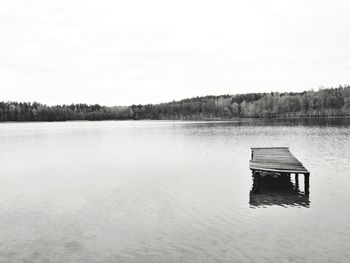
(256, 183)
(307, 183)
(296, 181)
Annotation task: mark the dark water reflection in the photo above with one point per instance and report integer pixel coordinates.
(278, 190)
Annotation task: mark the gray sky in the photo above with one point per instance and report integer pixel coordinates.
(124, 52)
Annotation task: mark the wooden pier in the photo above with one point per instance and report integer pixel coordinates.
(277, 160)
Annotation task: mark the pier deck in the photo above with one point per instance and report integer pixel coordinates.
(275, 159)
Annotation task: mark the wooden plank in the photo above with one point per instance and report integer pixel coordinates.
(263, 148)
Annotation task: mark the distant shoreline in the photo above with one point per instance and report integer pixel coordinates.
(188, 120)
(324, 103)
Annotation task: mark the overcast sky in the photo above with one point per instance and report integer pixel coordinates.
(124, 52)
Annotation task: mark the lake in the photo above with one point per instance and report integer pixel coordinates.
(163, 191)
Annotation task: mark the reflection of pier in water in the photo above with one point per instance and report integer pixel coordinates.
(272, 168)
(276, 189)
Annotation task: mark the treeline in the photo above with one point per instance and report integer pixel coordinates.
(14, 111)
(321, 103)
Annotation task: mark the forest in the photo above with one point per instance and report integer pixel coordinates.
(325, 102)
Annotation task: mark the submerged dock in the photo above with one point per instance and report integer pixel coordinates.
(277, 160)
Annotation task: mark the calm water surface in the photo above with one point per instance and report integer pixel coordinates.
(157, 191)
